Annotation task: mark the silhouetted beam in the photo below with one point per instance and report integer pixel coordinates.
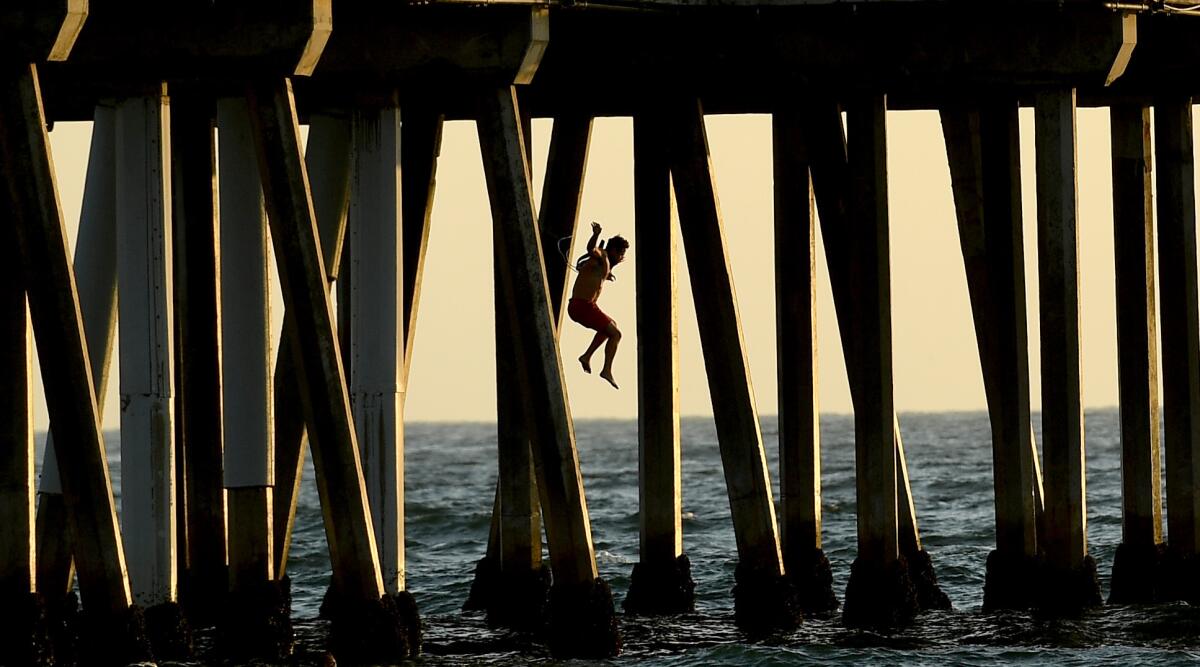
(17, 548)
(823, 125)
(327, 158)
(875, 450)
(1174, 150)
(742, 455)
(795, 316)
(608, 61)
(197, 318)
(659, 485)
(523, 281)
(36, 30)
(1058, 285)
(1137, 326)
(1163, 62)
(983, 147)
(420, 145)
(54, 306)
(302, 275)
(562, 190)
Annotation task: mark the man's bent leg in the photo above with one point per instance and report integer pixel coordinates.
(610, 352)
(586, 359)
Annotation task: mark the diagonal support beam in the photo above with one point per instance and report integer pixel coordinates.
(58, 326)
(302, 275)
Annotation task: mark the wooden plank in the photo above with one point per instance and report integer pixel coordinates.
(870, 283)
(796, 339)
(327, 158)
(95, 264)
(146, 319)
(58, 326)
(984, 151)
(539, 372)
(734, 410)
(1058, 285)
(17, 535)
(1180, 333)
(197, 332)
(377, 343)
(659, 459)
(1137, 325)
(302, 275)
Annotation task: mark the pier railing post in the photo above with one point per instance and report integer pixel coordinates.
(366, 626)
(582, 620)
(762, 597)
(796, 335)
(198, 363)
(1071, 573)
(112, 631)
(983, 146)
(1175, 154)
(1136, 565)
(143, 213)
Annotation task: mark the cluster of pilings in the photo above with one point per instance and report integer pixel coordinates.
(215, 423)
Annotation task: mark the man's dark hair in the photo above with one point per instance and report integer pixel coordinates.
(617, 244)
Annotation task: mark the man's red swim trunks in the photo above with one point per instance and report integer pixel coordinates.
(588, 314)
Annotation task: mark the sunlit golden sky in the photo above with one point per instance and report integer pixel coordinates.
(936, 362)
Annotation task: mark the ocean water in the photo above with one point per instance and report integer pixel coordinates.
(451, 473)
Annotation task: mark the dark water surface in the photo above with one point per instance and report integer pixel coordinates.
(451, 473)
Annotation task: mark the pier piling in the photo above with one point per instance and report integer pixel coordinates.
(661, 582)
(1138, 561)
(1174, 152)
(804, 560)
(763, 599)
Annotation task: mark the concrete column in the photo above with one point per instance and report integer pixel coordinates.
(377, 343)
(147, 345)
(584, 624)
(757, 600)
(17, 548)
(95, 265)
(246, 350)
(198, 340)
(327, 158)
(1062, 409)
(1137, 356)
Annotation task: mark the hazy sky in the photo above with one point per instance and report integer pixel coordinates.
(936, 362)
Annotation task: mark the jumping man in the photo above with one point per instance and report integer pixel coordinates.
(594, 268)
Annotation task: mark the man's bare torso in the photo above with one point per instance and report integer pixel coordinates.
(592, 274)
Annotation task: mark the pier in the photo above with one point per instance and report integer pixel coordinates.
(198, 176)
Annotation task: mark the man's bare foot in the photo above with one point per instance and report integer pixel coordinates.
(608, 376)
(586, 363)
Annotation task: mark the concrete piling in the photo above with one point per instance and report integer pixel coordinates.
(763, 599)
(795, 315)
(1175, 155)
(1137, 563)
(1069, 581)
